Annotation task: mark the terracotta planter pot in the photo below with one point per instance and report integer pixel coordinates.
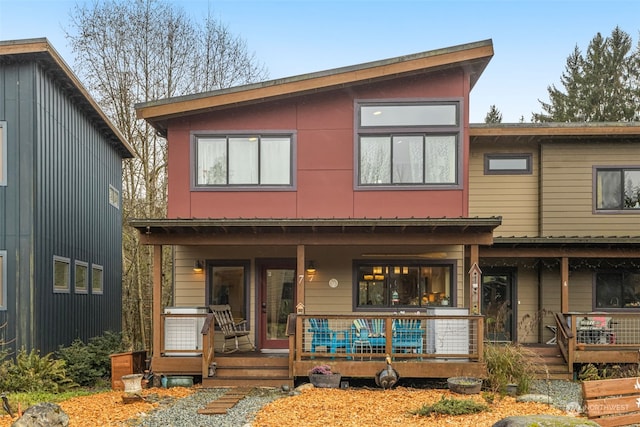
(325, 381)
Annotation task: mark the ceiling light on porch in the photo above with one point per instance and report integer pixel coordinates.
(197, 267)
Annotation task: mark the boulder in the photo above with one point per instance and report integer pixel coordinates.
(43, 415)
(544, 421)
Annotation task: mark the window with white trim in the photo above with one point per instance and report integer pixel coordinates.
(97, 283)
(3, 280)
(617, 188)
(243, 160)
(408, 143)
(81, 277)
(3, 153)
(61, 276)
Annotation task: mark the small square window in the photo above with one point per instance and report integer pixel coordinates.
(3, 153)
(81, 277)
(3, 280)
(114, 197)
(507, 164)
(61, 279)
(97, 286)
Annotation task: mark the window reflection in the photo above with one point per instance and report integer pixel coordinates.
(403, 285)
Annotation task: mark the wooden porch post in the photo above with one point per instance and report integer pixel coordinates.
(157, 300)
(564, 285)
(300, 268)
(474, 289)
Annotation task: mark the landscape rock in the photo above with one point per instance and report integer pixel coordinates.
(545, 421)
(539, 398)
(43, 415)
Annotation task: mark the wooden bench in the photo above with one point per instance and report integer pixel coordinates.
(612, 402)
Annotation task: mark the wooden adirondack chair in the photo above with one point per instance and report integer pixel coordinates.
(229, 327)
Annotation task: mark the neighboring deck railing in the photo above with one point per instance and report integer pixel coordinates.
(598, 337)
(404, 337)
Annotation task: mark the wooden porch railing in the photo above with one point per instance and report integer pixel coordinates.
(404, 337)
(598, 337)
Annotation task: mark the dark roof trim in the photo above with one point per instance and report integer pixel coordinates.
(550, 132)
(347, 225)
(474, 57)
(40, 50)
(565, 241)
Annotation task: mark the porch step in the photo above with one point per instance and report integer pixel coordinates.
(250, 371)
(549, 363)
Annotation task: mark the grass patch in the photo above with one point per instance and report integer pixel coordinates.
(448, 406)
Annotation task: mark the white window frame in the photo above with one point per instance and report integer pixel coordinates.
(80, 288)
(3, 153)
(3, 280)
(114, 197)
(95, 268)
(66, 261)
(429, 123)
(258, 177)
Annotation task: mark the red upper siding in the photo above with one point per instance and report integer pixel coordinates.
(323, 125)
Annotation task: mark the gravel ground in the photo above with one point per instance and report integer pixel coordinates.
(566, 395)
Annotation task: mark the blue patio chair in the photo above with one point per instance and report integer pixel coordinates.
(375, 331)
(323, 336)
(407, 336)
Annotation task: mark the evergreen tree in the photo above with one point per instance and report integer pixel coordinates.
(601, 86)
(493, 116)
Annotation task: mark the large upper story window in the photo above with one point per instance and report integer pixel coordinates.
(617, 188)
(243, 161)
(408, 144)
(403, 285)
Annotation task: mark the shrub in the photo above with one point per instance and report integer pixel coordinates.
(509, 364)
(447, 406)
(88, 364)
(32, 372)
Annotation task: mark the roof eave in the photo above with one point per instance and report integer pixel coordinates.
(474, 57)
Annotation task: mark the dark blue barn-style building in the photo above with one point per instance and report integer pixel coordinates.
(60, 203)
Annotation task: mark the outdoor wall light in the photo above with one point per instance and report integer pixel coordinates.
(197, 267)
(311, 269)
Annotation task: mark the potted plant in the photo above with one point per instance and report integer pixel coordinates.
(322, 376)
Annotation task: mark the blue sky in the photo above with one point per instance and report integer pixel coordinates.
(531, 39)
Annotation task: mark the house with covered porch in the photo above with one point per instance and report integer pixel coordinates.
(353, 213)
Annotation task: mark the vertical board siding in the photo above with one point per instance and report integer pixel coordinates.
(56, 203)
(76, 221)
(567, 189)
(514, 197)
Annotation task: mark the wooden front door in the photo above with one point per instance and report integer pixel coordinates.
(277, 298)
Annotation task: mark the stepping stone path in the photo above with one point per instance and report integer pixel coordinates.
(224, 402)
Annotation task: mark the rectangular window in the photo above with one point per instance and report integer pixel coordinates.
(403, 285)
(228, 284)
(507, 164)
(114, 197)
(617, 289)
(81, 277)
(61, 279)
(3, 280)
(3, 153)
(244, 161)
(617, 188)
(408, 144)
(97, 284)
